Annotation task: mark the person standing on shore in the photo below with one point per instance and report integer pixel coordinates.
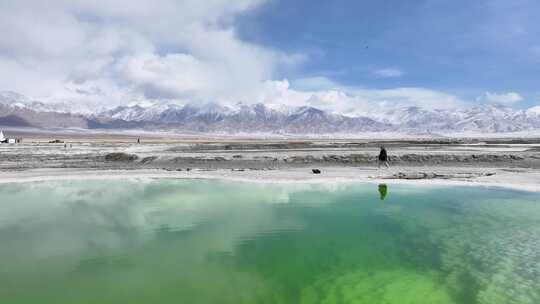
(383, 158)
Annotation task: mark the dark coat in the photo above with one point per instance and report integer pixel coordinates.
(383, 156)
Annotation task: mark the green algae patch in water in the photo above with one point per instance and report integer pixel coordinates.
(391, 287)
(201, 241)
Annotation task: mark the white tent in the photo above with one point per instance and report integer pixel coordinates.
(2, 138)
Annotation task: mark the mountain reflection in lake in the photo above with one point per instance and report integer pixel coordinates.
(197, 241)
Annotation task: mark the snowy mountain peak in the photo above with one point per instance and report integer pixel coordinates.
(272, 118)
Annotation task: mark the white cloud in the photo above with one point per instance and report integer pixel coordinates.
(409, 96)
(505, 98)
(315, 83)
(164, 48)
(352, 100)
(388, 73)
(106, 53)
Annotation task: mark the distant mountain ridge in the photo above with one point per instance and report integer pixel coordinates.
(17, 110)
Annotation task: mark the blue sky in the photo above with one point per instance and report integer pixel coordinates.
(343, 56)
(465, 48)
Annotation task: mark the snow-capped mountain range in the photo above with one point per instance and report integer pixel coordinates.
(17, 110)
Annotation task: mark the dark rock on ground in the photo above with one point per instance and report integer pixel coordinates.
(148, 159)
(122, 157)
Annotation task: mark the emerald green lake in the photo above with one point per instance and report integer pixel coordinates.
(204, 241)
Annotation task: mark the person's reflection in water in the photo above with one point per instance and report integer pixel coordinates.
(383, 190)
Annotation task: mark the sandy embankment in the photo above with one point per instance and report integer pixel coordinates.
(503, 163)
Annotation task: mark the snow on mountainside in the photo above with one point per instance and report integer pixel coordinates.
(22, 102)
(16, 109)
(19, 111)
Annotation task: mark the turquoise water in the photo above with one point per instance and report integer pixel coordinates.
(200, 241)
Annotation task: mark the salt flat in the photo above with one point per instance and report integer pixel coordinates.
(513, 163)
